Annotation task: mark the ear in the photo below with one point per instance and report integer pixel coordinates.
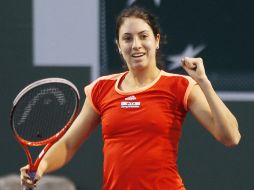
(118, 46)
(157, 39)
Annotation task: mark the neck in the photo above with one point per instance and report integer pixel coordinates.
(140, 78)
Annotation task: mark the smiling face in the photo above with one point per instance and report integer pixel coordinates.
(137, 43)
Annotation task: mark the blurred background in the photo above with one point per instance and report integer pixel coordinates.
(75, 40)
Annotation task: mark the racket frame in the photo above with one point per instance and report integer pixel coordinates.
(51, 140)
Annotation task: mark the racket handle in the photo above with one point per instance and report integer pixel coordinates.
(32, 176)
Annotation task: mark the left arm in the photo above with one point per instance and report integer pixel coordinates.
(208, 108)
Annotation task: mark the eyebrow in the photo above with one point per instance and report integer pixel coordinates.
(127, 33)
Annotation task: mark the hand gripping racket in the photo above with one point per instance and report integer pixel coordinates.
(41, 114)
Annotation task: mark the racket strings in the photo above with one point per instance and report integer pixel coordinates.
(44, 111)
(54, 91)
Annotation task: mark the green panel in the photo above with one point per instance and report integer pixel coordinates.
(206, 164)
(224, 27)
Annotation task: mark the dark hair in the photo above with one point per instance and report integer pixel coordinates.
(149, 18)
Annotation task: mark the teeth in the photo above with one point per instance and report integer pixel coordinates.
(137, 54)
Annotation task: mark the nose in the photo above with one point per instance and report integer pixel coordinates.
(136, 43)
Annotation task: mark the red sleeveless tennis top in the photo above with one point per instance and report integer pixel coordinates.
(141, 131)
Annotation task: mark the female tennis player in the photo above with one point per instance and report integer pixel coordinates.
(141, 112)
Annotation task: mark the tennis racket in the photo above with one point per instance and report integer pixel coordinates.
(41, 114)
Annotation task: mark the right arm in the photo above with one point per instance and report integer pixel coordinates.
(63, 150)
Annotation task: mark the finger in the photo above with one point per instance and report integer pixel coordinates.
(25, 178)
(36, 179)
(192, 66)
(27, 186)
(27, 183)
(26, 167)
(24, 172)
(189, 63)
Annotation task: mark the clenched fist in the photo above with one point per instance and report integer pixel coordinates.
(195, 68)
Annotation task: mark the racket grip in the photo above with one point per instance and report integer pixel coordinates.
(32, 176)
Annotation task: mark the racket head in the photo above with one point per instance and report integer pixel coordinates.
(43, 111)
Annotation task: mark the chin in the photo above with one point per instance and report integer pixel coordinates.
(139, 66)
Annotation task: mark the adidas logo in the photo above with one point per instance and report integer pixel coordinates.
(130, 98)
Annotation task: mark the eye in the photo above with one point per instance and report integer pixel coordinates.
(144, 36)
(127, 38)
